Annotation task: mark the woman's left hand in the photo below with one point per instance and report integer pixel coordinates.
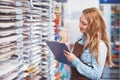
(69, 56)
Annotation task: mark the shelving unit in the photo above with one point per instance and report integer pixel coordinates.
(11, 46)
(114, 28)
(115, 39)
(32, 41)
(24, 27)
(115, 31)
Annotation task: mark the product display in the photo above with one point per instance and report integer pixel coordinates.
(25, 25)
(113, 13)
(10, 39)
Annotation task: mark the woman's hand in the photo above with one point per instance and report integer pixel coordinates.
(69, 56)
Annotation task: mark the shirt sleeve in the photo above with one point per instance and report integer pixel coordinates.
(95, 72)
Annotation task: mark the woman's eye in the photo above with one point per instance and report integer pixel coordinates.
(83, 22)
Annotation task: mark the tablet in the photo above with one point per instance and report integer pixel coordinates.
(57, 49)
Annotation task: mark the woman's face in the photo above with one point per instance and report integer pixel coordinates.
(83, 24)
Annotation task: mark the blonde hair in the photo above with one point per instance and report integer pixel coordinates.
(95, 32)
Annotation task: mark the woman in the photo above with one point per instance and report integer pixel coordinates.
(96, 43)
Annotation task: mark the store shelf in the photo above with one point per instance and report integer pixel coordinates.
(114, 22)
(24, 27)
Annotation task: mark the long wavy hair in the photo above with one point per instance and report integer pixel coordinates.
(95, 32)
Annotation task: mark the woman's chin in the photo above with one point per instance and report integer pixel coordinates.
(81, 31)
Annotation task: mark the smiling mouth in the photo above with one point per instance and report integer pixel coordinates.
(81, 29)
